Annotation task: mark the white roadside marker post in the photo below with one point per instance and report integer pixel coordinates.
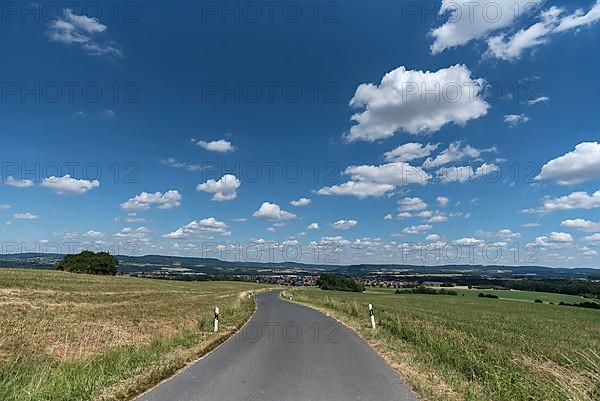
(372, 316)
(216, 319)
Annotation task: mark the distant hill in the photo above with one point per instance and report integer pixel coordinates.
(210, 266)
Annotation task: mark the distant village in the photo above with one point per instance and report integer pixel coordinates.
(288, 280)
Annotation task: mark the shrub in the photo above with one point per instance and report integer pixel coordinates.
(87, 262)
(327, 281)
(589, 305)
(538, 301)
(482, 295)
(427, 291)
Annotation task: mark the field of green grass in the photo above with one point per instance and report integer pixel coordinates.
(529, 296)
(67, 337)
(515, 295)
(475, 349)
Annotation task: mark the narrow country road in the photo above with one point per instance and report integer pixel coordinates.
(287, 352)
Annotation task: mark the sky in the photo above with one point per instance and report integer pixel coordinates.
(305, 131)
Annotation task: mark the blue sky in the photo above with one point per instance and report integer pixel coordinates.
(399, 129)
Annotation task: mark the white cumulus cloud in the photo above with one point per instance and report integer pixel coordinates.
(13, 182)
(442, 201)
(376, 181)
(551, 22)
(410, 151)
(133, 218)
(574, 167)
(456, 151)
(272, 211)
(301, 202)
(594, 238)
(416, 229)
(85, 32)
(554, 239)
(507, 234)
(220, 146)
(139, 234)
(403, 102)
(396, 174)
(145, 200)
(462, 174)
(344, 224)
(537, 100)
(575, 200)
(202, 227)
(224, 189)
(94, 234)
(338, 241)
(438, 217)
(176, 164)
(68, 185)
(361, 189)
(25, 216)
(411, 205)
(581, 225)
(469, 20)
(469, 241)
(515, 119)
(433, 238)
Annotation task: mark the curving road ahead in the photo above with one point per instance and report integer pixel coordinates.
(287, 352)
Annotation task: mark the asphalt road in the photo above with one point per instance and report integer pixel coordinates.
(287, 352)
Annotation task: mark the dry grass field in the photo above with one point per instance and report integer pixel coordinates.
(79, 337)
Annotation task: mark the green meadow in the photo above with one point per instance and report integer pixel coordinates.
(479, 349)
(515, 295)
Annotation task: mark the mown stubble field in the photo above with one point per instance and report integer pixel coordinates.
(79, 337)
